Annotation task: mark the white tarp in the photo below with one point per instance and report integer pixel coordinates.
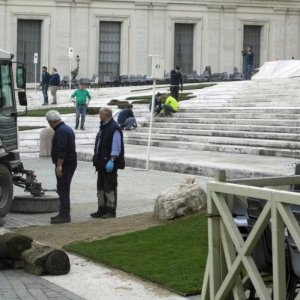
(278, 69)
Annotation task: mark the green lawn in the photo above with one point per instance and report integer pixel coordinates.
(42, 112)
(197, 86)
(148, 98)
(172, 255)
(24, 128)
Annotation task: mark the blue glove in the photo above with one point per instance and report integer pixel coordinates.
(109, 166)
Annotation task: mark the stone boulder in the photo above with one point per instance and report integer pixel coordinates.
(180, 200)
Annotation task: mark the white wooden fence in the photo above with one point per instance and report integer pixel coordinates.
(229, 255)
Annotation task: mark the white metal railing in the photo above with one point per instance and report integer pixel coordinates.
(229, 254)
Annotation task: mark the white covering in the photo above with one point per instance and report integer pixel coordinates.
(278, 69)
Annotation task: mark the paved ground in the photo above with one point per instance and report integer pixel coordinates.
(137, 192)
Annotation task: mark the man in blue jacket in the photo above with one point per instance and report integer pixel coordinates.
(126, 118)
(108, 158)
(176, 81)
(54, 83)
(64, 156)
(45, 84)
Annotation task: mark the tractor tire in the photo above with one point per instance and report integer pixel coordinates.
(28, 204)
(6, 190)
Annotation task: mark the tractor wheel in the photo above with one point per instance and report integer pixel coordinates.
(6, 190)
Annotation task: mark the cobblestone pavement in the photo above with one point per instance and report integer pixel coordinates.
(137, 191)
(20, 285)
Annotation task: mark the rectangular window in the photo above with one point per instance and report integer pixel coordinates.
(109, 50)
(184, 47)
(28, 43)
(252, 36)
(5, 87)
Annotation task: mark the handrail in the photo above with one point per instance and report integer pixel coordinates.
(229, 255)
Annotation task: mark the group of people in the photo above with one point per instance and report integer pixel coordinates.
(50, 80)
(108, 158)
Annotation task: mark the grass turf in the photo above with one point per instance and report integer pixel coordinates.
(42, 112)
(148, 98)
(24, 128)
(172, 255)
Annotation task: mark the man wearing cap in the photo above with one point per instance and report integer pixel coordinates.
(108, 158)
(82, 98)
(63, 153)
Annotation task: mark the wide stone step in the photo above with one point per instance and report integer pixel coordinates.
(252, 142)
(226, 127)
(264, 122)
(240, 115)
(225, 133)
(234, 149)
(269, 110)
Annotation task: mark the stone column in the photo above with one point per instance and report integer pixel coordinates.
(2, 24)
(278, 29)
(292, 34)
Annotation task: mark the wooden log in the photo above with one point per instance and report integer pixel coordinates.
(42, 260)
(12, 245)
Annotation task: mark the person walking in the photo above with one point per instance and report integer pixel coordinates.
(126, 118)
(64, 156)
(108, 158)
(54, 84)
(45, 84)
(176, 80)
(171, 106)
(248, 58)
(82, 99)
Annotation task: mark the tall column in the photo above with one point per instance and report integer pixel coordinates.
(212, 46)
(278, 29)
(141, 38)
(292, 34)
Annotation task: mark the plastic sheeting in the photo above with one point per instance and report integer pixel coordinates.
(278, 69)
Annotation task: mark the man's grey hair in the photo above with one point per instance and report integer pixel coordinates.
(53, 116)
(106, 110)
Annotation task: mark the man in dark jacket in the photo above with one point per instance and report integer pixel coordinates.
(54, 83)
(45, 84)
(176, 80)
(126, 118)
(248, 61)
(63, 153)
(108, 158)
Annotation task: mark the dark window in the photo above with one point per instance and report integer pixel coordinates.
(252, 35)
(184, 47)
(109, 50)
(29, 42)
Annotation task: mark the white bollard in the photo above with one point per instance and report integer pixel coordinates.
(46, 136)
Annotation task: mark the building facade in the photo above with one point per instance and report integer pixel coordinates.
(115, 37)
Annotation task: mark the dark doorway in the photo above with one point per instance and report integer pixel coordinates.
(184, 47)
(109, 50)
(28, 43)
(252, 36)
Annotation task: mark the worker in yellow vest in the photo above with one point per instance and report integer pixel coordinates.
(171, 106)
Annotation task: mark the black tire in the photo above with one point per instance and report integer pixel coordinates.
(28, 204)
(6, 190)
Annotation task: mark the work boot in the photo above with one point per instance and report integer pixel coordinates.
(60, 219)
(99, 213)
(110, 213)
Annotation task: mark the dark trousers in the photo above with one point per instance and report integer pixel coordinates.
(168, 110)
(63, 188)
(45, 92)
(248, 72)
(107, 184)
(174, 89)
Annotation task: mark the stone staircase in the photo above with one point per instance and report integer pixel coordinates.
(248, 128)
(240, 123)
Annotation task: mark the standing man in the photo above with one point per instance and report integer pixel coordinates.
(64, 156)
(248, 58)
(108, 158)
(176, 80)
(54, 83)
(82, 99)
(126, 118)
(45, 84)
